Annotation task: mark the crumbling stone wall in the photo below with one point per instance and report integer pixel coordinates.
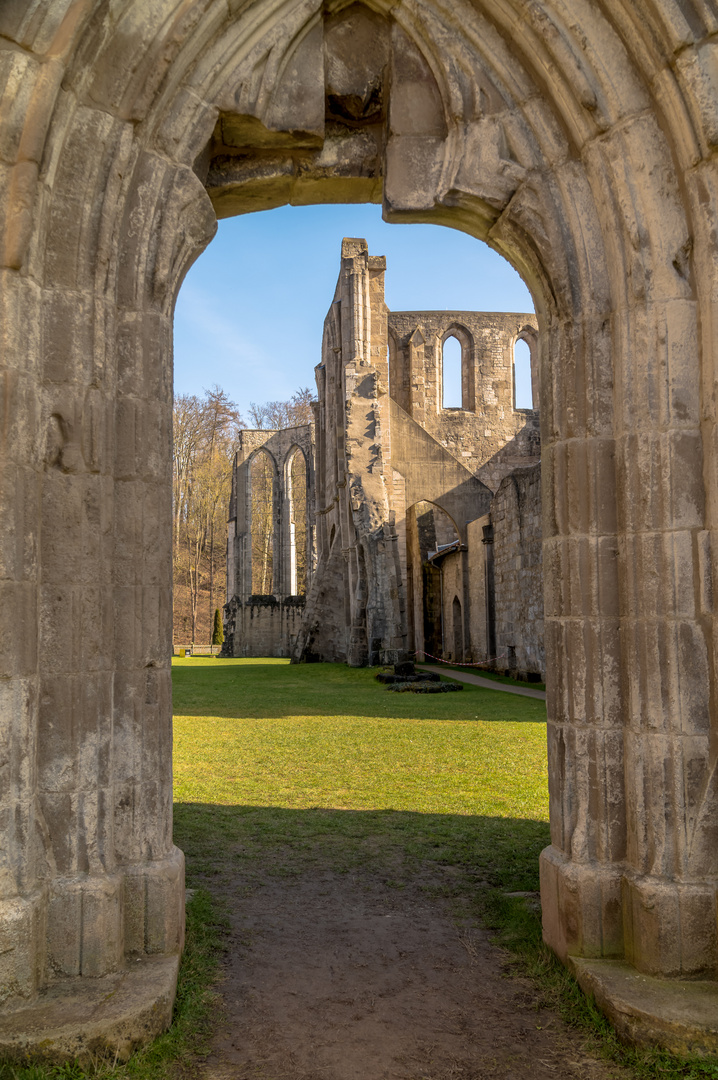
(518, 573)
(267, 624)
(262, 625)
(359, 572)
(376, 460)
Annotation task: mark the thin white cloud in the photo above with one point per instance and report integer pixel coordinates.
(209, 343)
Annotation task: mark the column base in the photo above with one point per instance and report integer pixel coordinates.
(680, 1016)
(581, 906)
(83, 1017)
(670, 927)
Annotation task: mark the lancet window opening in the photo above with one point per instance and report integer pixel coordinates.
(297, 491)
(452, 363)
(522, 375)
(262, 521)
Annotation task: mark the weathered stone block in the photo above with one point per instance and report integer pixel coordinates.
(670, 927)
(154, 906)
(22, 941)
(84, 927)
(581, 906)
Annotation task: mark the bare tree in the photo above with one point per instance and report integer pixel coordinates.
(277, 415)
(205, 438)
(223, 419)
(205, 435)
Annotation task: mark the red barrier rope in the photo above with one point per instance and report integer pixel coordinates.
(453, 663)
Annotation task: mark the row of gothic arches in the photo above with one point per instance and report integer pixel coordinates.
(457, 352)
(267, 498)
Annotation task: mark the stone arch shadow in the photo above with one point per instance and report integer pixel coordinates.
(125, 142)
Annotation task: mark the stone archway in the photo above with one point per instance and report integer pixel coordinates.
(579, 142)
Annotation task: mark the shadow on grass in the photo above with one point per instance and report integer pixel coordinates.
(496, 857)
(266, 690)
(496, 852)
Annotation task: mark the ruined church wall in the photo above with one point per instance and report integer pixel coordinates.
(262, 627)
(480, 590)
(266, 628)
(518, 572)
(488, 435)
(453, 592)
(357, 520)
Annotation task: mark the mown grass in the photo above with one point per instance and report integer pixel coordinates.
(282, 770)
(323, 735)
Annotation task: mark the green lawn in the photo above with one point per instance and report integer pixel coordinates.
(284, 770)
(324, 736)
(323, 763)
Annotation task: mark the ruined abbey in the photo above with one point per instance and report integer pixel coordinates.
(580, 140)
(422, 528)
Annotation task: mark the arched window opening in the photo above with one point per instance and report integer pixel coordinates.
(431, 536)
(262, 509)
(451, 356)
(523, 391)
(458, 630)
(298, 524)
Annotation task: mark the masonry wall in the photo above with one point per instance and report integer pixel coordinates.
(481, 592)
(382, 457)
(356, 607)
(263, 626)
(488, 435)
(518, 572)
(266, 626)
(453, 601)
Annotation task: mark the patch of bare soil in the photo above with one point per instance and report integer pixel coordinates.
(342, 977)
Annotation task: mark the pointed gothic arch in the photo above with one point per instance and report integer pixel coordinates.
(580, 148)
(296, 483)
(263, 500)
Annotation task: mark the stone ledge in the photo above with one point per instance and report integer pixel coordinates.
(679, 1015)
(82, 1017)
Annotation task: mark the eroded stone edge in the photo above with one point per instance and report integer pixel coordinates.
(112, 1015)
(678, 1015)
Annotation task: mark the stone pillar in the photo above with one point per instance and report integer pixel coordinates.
(669, 888)
(23, 892)
(91, 883)
(581, 872)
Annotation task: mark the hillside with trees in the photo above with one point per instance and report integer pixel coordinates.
(205, 433)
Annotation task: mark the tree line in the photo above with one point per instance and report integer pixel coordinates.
(206, 431)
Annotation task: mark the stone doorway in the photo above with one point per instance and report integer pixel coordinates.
(581, 147)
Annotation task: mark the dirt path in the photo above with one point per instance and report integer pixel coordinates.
(344, 977)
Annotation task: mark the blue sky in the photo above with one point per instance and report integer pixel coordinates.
(249, 315)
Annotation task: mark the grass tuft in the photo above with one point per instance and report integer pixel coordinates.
(517, 928)
(176, 1053)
